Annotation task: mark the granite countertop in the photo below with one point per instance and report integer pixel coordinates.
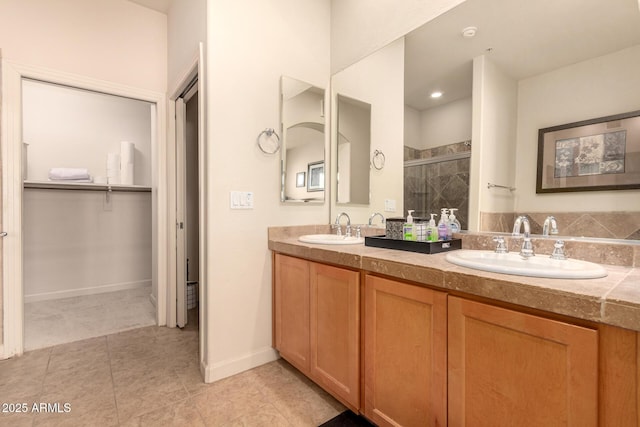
(612, 300)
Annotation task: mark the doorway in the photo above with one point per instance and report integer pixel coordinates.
(14, 187)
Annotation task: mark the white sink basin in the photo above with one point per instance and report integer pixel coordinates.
(537, 266)
(330, 239)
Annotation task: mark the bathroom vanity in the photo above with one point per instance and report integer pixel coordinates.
(410, 339)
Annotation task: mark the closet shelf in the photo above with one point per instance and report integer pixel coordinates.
(86, 186)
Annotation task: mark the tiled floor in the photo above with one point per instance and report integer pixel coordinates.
(59, 321)
(150, 377)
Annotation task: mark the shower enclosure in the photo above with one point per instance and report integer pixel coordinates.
(438, 178)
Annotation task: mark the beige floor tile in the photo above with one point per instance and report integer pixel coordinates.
(97, 417)
(181, 414)
(23, 390)
(189, 374)
(137, 344)
(16, 420)
(151, 377)
(80, 355)
(227, 400)
(302, 405)
(84, 385)
(145, 385)
(266, 416)
(30, 364)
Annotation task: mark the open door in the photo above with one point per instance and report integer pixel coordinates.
(181, 223)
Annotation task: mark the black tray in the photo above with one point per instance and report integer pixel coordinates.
(411, 246)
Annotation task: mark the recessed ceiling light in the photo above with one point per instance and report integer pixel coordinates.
(436, 94)
(469, 32)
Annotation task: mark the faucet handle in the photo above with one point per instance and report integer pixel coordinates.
(501, 247)
(558, 250)
(338, 229)
(358, 231)
(527, 248)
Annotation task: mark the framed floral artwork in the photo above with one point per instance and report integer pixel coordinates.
(591, 155)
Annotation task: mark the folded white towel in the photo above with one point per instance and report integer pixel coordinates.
(61, 174)
(72, 180)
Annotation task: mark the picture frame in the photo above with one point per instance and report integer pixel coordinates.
(315, 176)
(600, 154)
(300, 179)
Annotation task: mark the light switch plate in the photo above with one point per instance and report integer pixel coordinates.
(241, 200)
(389, 205)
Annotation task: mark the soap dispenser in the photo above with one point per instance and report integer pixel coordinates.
(432, 230)
(407, 231)
(454, 224)
(444, 231)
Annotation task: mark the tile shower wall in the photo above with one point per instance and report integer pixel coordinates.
(445, 184)
(610, 225)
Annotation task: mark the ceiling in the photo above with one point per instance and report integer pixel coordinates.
(526, 38)
(161, 6)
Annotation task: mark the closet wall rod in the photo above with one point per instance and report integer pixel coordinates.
(85, 187)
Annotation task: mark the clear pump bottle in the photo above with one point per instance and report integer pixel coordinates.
(454, 224)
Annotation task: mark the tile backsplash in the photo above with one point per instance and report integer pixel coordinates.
(608, 225)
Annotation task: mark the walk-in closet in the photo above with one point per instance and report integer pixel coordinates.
(87, 213)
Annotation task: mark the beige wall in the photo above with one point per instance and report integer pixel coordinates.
(569, 95)
(446, 124)
(494, 130)
(186, 28)
(250, 44)
(360, 27)
(112, 40)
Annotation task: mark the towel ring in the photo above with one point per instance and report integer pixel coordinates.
(378, 159)
(268, 141)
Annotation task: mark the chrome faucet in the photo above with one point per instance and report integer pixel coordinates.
(375, 215)
(526, 251)
(339, 229)
(550, 226)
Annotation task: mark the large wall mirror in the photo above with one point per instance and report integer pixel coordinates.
(524, 66)
(303, 140)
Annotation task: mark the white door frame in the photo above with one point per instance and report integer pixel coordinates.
(12, 190)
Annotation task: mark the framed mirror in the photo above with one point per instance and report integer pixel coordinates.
(303, 141)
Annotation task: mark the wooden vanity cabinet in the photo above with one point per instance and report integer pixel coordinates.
(435, 359)
(405, 352)
(317, 324)
(291, 310)
(509, 368)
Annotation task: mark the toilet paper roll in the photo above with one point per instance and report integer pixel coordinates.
(126, 174)
(127, 152)
(113, 168)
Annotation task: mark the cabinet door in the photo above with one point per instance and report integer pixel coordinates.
(291, 301)
(512, 369)
(335, 331)
(405, 341)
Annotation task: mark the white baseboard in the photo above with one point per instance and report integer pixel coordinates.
(44, 296)
(227, 368)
